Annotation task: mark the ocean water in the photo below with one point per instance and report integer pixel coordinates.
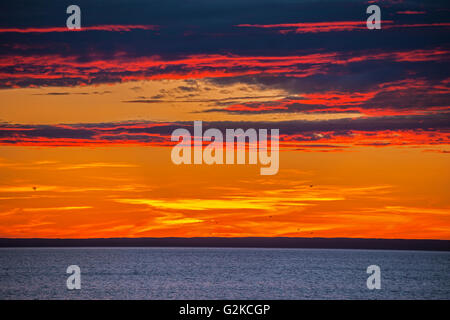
(222, 273)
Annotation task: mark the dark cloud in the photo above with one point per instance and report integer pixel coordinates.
(71, 93)
(219, 101)
(406, 96)
(437, 126)
(319, 72)
(208, 28)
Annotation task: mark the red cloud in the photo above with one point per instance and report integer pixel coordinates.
(315, 27)
(411, 12)
(406, 131)
(335, 26)
(111, 27)
(405, 97)
(51, 69)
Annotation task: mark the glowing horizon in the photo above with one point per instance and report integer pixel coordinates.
(86, 120)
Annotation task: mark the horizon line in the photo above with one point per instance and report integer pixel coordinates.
(235, 242)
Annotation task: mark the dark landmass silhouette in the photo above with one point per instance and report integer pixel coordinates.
(245, 242)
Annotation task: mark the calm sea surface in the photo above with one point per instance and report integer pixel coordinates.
(222, 273)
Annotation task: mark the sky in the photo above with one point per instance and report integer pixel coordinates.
(86, 118)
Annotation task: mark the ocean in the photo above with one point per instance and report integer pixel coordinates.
(222, 273)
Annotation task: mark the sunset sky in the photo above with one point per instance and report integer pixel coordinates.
(86, 118)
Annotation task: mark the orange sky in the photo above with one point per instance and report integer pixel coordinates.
(86, 117)
(136, 191)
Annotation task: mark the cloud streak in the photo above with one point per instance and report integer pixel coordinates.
(428, 129)
(338, 26)
(58, 70)
(109, 28)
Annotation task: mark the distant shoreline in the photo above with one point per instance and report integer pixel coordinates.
(244, 242)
